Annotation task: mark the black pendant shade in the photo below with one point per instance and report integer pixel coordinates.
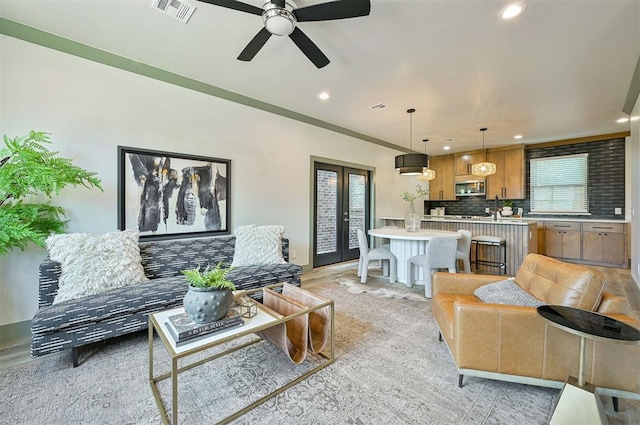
(411, 164)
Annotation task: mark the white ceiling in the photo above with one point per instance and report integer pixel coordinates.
(561, 70)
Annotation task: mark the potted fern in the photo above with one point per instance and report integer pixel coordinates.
(28, 170)
(210, 293)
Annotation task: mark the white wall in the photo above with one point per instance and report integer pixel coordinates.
(91, 109)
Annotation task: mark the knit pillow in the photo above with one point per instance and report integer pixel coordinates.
(506, 292)
(258, 245)
(92, 264)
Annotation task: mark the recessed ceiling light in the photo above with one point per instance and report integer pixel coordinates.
(512, 10)
(446, 148)
(324, 95)
(621, 120)
(518, 136)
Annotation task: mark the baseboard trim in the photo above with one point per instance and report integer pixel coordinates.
(14, 333)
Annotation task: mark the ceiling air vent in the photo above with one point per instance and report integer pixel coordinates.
(378, 106)
(178, 9)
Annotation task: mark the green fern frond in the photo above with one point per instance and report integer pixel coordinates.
(27, 168)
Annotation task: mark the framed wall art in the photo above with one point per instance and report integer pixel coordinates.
(166, 195)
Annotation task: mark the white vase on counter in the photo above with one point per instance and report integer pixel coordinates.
(506, 211)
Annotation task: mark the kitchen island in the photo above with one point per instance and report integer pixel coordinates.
(521, 236)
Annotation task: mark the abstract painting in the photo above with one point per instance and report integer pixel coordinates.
(165, 195)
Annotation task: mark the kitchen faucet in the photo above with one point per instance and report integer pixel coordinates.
(496, 211)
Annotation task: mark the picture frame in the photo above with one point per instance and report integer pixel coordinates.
(168, 195)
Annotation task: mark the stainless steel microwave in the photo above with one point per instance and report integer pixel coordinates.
(471, 188)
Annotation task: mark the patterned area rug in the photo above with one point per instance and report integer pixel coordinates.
(378, 285)
(390, 368)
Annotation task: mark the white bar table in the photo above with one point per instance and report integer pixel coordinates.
(404, 245)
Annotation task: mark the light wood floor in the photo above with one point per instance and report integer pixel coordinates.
(619, 282)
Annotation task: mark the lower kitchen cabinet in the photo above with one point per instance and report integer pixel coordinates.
(588, 243)
(603, 242)
(562, 239)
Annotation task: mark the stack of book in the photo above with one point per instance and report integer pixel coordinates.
(183, 330)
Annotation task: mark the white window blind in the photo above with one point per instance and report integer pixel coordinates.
(559, 184)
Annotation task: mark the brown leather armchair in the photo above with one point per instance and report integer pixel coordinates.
(513, 343)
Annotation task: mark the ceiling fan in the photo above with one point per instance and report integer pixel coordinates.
(281, 16)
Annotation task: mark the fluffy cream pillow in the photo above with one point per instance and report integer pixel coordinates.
(258, 245)
(92, 264)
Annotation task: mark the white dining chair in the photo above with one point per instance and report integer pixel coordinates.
(464, 249)
(367, 255)
(440, 254)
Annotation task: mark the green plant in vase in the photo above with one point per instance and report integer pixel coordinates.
(210, 293)
(507, 208)
(412, 219)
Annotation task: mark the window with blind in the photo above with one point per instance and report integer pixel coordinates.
(559, 184)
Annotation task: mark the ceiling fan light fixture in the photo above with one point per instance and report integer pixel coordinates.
(277, 20)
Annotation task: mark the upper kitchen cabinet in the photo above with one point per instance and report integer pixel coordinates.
(442, 187)
(508, 180)
(465, 160)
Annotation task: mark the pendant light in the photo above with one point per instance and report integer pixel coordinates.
(427, 174)
(411, 164)
(484, 168)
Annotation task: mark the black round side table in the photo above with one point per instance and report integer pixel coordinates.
(579, 400)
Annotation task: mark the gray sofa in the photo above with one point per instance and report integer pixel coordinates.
(74, 323)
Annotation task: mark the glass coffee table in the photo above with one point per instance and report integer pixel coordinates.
(263, 319)
(579, 401)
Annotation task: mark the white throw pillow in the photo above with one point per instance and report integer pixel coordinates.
(258, 245)
(92, 264)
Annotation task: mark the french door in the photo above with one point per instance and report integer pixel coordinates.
(341, 207)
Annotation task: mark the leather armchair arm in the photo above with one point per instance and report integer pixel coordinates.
(499, 338)
(460, 283)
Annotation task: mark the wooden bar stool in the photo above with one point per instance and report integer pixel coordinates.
(491, 241)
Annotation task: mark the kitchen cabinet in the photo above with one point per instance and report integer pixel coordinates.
(465, 160)
(603, 243)
(563, 240)
(509, 178)
(597, 243)
(442, 187)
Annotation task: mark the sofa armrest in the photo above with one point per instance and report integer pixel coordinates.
(48, 277)
(613, 304)
(460, 283)
(499, 338)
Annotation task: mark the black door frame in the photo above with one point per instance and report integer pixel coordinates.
(342, 253)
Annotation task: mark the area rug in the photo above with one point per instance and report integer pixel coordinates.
(378, 285)
(390, 368)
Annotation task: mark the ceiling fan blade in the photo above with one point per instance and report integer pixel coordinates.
(339, 9)
(235, 5)
(254, 45)
(309, 48)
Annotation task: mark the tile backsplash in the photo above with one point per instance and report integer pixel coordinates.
(606, 182)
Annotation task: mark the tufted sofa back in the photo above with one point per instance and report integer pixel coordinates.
(561, 283)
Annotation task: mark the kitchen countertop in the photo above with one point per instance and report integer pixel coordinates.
(484, 220)
(509, 220)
